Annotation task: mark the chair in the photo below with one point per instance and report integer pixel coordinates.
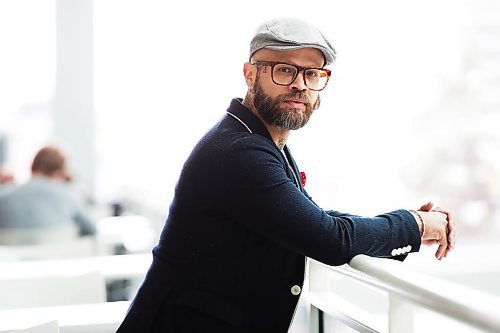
(38, 235)
(50, 327)
(51, 290)
(80, 247)
(134, 232)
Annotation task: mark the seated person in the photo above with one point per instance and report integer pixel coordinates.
(6, 180)
(5, 177)
(46, 204)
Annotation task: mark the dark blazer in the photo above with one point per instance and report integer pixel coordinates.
(231, 256)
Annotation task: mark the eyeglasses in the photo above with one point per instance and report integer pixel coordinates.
(284, 74)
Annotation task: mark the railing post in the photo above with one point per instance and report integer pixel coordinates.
(400, 315)
(318, 282)
(321, 321)
(314, 319)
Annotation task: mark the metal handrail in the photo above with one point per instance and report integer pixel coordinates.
(473, 307)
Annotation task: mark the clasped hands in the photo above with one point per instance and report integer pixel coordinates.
(439, 229)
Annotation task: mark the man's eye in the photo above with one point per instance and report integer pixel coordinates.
(312, 73)
(286, 70)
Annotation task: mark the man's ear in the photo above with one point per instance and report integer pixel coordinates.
(317, 103)
(249, 74)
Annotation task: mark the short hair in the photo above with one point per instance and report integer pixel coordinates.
(47, 161)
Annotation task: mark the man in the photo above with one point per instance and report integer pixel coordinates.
(231, 256)
(6, 180)
(45, 208)
(5, 177)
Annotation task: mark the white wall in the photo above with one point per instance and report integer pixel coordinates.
(166, 71)
(409, 114)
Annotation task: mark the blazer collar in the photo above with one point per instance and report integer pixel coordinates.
(241, 112)
(236, 108)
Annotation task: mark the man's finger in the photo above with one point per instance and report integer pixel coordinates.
(451, 222)
(445, 212)
(450, 247)
(443, 245)
(450, 219)
(452, 233)
(427, 207)
(429, 242)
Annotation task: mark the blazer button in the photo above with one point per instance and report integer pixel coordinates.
(295, 290)
(394, 252)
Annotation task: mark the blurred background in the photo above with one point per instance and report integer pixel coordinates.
(128, 87)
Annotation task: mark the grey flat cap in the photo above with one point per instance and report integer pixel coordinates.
(291, 34)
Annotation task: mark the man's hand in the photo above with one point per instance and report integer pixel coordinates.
(439, 228)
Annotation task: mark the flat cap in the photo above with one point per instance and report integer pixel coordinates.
(291, 34)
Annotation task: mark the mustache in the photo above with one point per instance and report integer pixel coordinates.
(299, 96)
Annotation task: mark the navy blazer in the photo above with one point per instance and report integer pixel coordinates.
(231, 256)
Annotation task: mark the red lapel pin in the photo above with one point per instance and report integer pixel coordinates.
(303, 178)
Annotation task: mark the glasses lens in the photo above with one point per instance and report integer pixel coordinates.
(284, 74)
(316, 79)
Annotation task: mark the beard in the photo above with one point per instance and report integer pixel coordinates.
(285, 118)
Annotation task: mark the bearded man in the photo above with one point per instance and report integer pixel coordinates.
(232, 254)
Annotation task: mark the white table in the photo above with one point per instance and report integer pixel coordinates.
(134, 232)
(88, 318)
(132, 266)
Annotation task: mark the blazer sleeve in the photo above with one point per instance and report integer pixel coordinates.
(333, 213)
(260, 195)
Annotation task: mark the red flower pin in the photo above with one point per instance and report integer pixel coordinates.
(303, 178)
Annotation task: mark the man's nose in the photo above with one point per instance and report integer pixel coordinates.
(298, 83)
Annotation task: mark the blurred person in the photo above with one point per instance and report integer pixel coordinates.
(6, 180)
(46, 202)
(231, 256)
(6, 177)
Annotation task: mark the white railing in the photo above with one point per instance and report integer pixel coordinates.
(381, 295)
